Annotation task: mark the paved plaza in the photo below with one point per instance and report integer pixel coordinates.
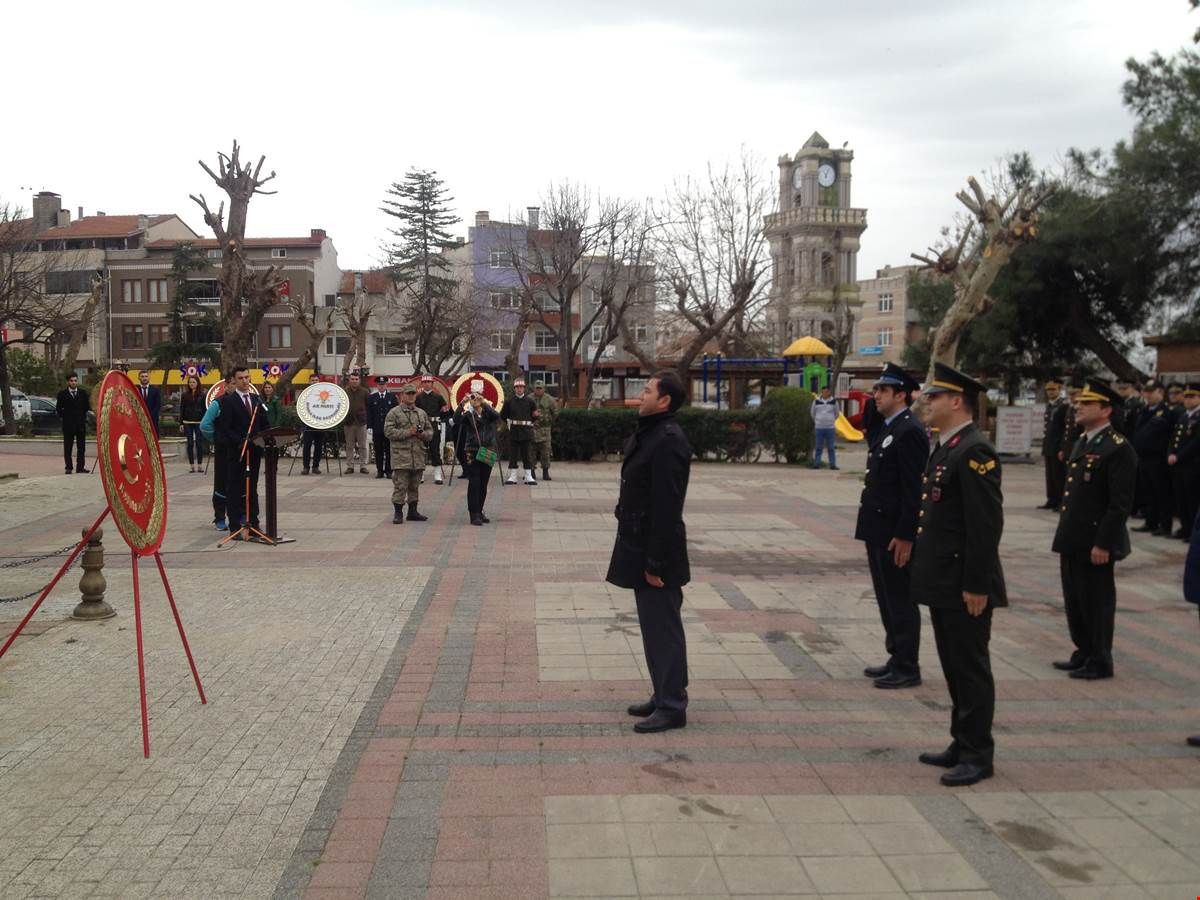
(436, 710)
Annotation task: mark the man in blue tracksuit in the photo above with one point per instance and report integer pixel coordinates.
(824, 415)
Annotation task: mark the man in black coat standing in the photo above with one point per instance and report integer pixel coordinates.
(381, 402)
(1091, 535)
(1053, 422)
(242, 415)
(1151, 440)
(956, 569)
(887, 524)
(72, 408)
(650, 555)
(152, 397)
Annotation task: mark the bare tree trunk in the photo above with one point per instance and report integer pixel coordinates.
(6, 405)
(1091, 337)
(304, 313)
(79, 332)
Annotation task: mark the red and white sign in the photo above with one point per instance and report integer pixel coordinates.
(285, 289)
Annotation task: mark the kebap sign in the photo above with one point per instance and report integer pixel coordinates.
(323, 405)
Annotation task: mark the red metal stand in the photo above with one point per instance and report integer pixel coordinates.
(137, 621)
(179, 624)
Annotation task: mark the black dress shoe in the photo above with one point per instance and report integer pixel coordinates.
(477, 521)
(661, 720)
(1163, 532)
(641, 710)
(484, 519)
(947, 759)
(1194, 740)
(894, 680)
(966, 773)
(1091, 672)
(1181, 534)
(378, 474)
(1046, 506)
(1077, 661)
(877, 671)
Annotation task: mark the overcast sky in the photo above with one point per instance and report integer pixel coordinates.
(115, 102)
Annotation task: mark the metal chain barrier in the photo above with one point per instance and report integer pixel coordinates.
(28, 561)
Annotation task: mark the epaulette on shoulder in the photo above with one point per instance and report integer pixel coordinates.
(1117, 439)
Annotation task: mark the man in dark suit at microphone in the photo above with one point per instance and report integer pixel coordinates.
(242, 416)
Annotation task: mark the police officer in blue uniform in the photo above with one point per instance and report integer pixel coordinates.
(956, 568)
(887, 523)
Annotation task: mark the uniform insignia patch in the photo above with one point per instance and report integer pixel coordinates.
(981, 468)
(1118, 440)
(935, 494)
(887, 441)
(958, 437)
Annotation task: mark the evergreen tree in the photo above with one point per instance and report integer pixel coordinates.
(435, 315)
(184, 312)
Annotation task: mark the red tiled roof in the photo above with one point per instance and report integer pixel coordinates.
(374, 282)
(98, 227)
(16, 230)
(249, 243)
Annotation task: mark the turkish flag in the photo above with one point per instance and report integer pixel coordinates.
(285, 289)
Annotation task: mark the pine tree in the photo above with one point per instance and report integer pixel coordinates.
(436, 316)
(184, 312)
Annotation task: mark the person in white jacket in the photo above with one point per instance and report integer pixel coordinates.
(824, 415)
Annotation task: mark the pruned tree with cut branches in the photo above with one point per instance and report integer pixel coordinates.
(355, 311)
(994, 229)
(246, 295)
(304, 313)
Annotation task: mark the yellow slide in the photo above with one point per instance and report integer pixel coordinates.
(846, 431)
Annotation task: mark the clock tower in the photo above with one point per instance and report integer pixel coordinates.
(814, 240)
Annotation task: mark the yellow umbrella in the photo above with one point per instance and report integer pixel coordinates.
(807, 346)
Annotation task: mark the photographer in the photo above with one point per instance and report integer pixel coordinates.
(476, 438)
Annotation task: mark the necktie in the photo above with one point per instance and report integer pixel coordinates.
(246, 397)
(145, 394)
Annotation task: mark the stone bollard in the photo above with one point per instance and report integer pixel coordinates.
(92, 584)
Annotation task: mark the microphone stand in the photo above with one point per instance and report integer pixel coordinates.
(247, 531)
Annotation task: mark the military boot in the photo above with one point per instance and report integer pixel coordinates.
(546, 474)
(414, 516)
(398, 514)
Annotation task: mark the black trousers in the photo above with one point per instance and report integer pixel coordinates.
(1186, 486)
(383, 452)
(1056, 476)
(520, 450)
(235, 485)
(312, 448)
(1155, 475)
(1090, 597)
(663, 641)
(900, 616)
(74, 436)
(220, 464)
(478, 475)
(435, 446)
(962, 644)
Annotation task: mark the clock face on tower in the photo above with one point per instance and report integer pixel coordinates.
(826, 175)
(797, 178)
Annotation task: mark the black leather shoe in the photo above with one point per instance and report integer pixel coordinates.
(1163, 532)
(966, 773)
(1181, 534)
(477, 521)
(661, 720)
(947, 759)
(641, 710)
(484, 519)
(378, 474)
(894, 680)
(1091, 673)
(1076, 661)
(1194, 740)
(1046, 506)
(877, 671)
(1145, 528)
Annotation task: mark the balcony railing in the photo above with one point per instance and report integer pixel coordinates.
(817, 215)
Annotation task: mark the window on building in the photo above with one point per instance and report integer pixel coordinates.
(885, 337)
(279, 336)
(71, 282)
(157, 290)
(504, 299)
(338, 346)
(133, 337)
(278, 252)
(159, 334)
(885, 302)
(641, 331)
(634, 387)
(330, 300)
(392, 345)
(131, 291)
(546, 303)
(502, 340)
(597, 334)
(204, 334)
(204, 290)
(501, 375)
(214, 254)
(500, 259)
(545, 341)
(550, 376)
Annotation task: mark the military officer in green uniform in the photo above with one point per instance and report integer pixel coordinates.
(409, 430)
(547, 408)
(956, 568)
(1091, 535)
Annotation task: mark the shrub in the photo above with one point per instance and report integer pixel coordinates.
(785, 422)
(584, 433)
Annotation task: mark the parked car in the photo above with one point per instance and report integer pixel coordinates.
(44, 413)
(21, 407)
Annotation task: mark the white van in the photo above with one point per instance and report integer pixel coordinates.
(22, 408)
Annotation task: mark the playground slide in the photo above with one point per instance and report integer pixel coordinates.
(846, 431)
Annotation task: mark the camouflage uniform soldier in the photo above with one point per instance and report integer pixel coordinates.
(409, 430)
(547, 408)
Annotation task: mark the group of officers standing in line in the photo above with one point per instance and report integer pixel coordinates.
(932, 521)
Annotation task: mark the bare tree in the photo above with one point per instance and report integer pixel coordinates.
(985, 244)
(245, 295)
(711, 252)
(355, 311)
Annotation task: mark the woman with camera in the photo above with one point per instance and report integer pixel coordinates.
(475, 447)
